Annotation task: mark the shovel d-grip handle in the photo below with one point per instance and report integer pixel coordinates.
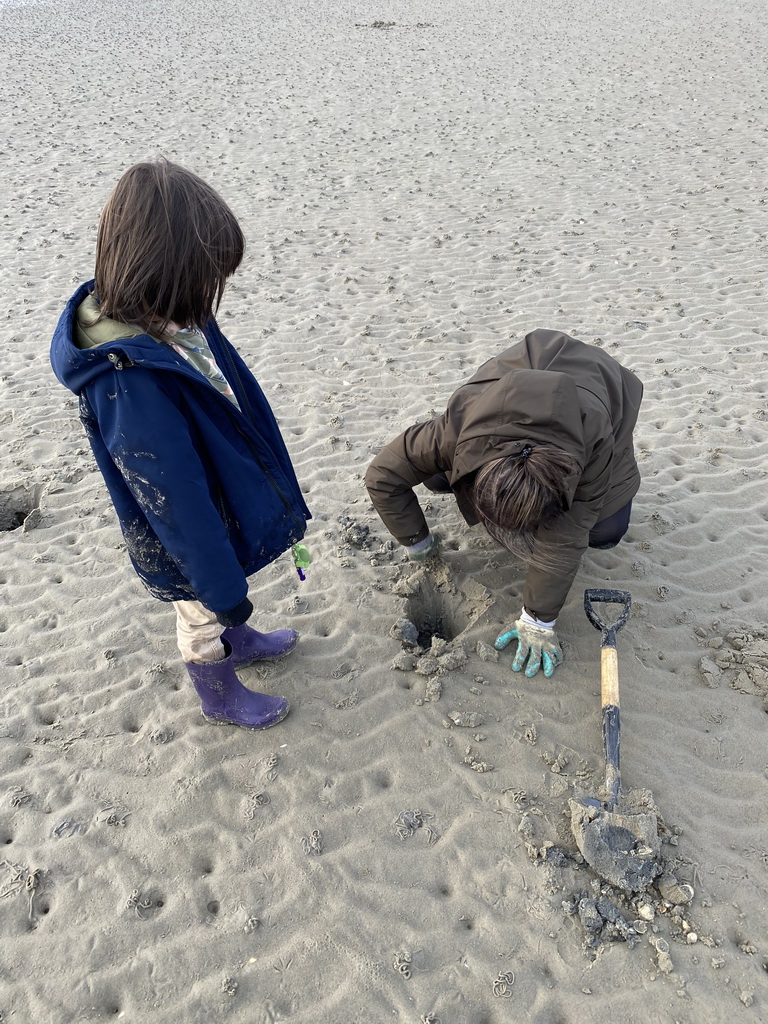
(608, 629)
(609, 681)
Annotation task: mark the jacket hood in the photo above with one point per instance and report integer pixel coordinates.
(497, 418)
(75, 368)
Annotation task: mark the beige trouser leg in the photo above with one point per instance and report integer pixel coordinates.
(197, 633)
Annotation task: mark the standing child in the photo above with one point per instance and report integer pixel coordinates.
(188, 446)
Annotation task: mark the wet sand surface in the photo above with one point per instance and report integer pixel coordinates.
(419, 184)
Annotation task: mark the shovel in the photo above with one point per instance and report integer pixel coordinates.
(622, 842)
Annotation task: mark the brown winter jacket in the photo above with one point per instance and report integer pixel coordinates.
(548, 387)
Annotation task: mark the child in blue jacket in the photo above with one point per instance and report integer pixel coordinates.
(188, 446)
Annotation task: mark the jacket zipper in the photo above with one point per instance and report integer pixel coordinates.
(243, 396)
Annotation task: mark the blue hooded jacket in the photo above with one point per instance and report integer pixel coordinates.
(205, 492)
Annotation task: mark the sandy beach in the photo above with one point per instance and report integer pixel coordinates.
(420, 184)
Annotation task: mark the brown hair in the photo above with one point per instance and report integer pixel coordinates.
(167, 244)
(517, 494)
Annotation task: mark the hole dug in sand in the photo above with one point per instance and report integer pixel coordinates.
(438, 608)
(20, 507)
(437, 614)
(433, 616)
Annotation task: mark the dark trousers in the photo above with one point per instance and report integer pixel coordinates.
(438, 483)
(608, 532)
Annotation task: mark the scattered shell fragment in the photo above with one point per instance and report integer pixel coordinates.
(465, 719)
(678, 893)
(664, 962)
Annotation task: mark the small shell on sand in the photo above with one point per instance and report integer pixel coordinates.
(675, 892)
(465, 719)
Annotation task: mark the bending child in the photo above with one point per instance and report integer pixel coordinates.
(536, 446)
(188, 446)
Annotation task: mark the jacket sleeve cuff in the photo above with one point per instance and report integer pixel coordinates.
(236, 616)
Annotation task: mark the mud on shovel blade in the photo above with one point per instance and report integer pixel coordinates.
(618, 837)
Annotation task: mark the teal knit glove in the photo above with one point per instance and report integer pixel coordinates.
(426, 548)
(536, 645)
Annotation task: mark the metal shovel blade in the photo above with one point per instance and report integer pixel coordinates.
(621, 843)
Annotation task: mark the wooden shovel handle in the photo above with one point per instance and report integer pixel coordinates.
(609, 676)
(609, 682)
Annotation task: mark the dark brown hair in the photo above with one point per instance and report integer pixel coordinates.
(167, 244)
(517, 494)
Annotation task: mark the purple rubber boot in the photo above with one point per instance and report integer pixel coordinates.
(249, 645)
(225, 701)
